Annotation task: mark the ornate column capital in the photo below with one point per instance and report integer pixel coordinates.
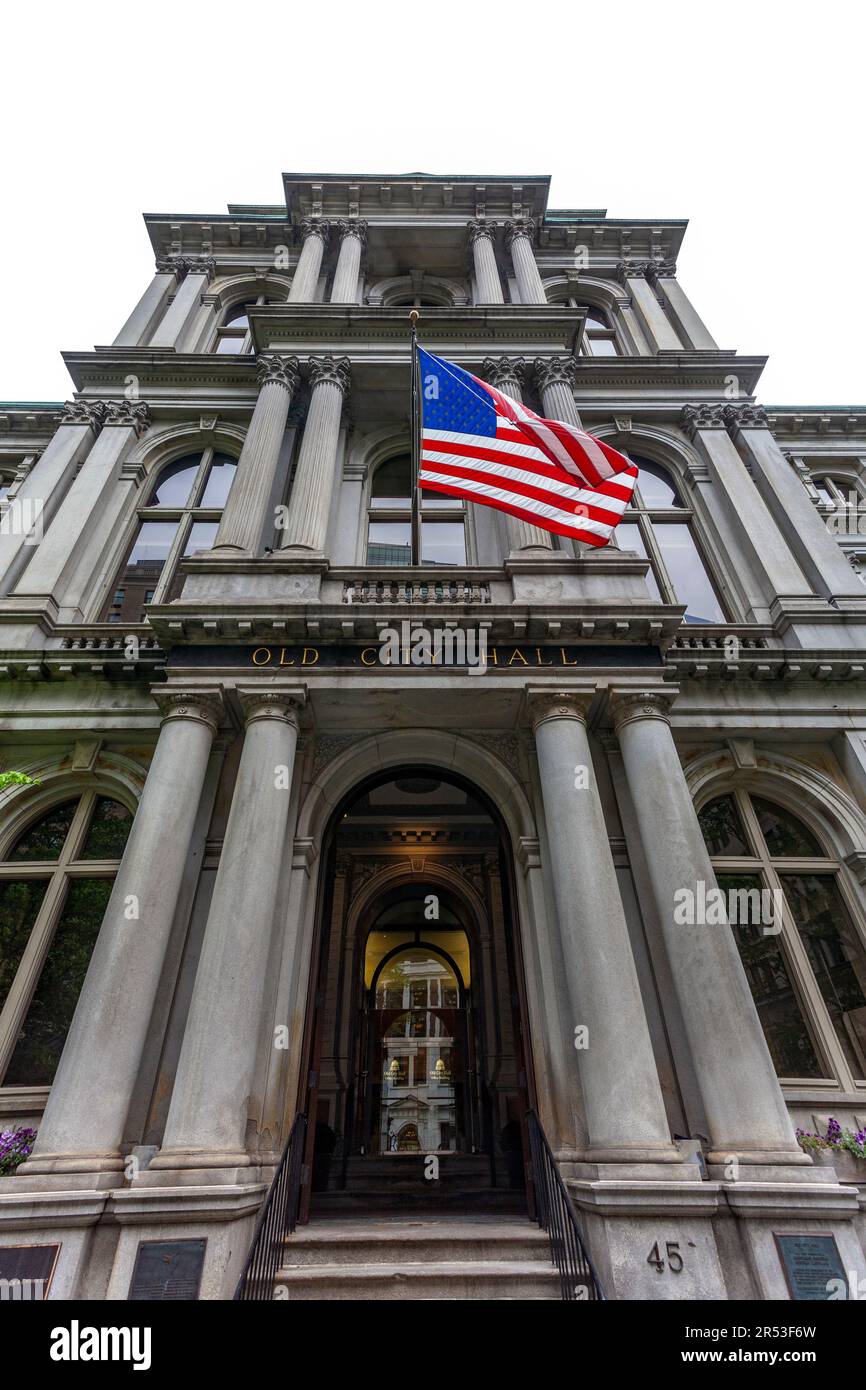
(661, 270)
(127, 413)
(702, 417)
(282, 371)
(479, 227)
(198, 706)
(631, 270)
(629, 704)
(315, 226)
(353, 226)
(187, 265)
(284, 705)
(745, 417)
(517, 227)
(551, 705)
(89, 413)
(333, 370)
(554, 371)
(502, 370)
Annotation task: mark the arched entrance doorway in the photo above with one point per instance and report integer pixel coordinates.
(416, 1038)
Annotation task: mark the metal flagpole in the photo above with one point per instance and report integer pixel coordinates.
(416, 443)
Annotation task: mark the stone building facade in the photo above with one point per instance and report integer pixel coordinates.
(217, 895)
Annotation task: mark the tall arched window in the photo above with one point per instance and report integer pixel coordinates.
(181, 515)
(55, 881)
(659, 526)
(233, 334)
(599, 336)
(806, 966)
(389, 522)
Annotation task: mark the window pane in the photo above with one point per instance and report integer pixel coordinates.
(824, 490)
(44, 840)
(174, 484)
(687, 574)
(40, 1042)
(389, 543)
(231, 343)
(443, 543)
(144, 566)
(236, 316)
(784, 834)
(109, 828)
(788, 1039)
(219, 479)
(722, 828)
(19, 904)
(655, 486)
(392, 483)
(837, 957)
(602, 347)
(596, 319)
(628, 535)
(202, 535)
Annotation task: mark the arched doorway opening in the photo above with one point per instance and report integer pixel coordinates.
(416, 1040)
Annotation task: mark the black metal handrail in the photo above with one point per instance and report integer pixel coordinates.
(555, 1214)
(277, 1219)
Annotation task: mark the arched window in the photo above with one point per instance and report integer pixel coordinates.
(659, 526)
(837, 492)
(180, 517)
(389, 521)
(599, 337)
(55, 881)
(803, 953)
(233, 334)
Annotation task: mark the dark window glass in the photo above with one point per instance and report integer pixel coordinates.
(722, 828)
(389, 543)
(144, 565)
(174, 484)
(443, 543)
(392, 483)
(784, 834)
(44, 840)
(656, 488)
(202, 535)
(788, 1039)
(19, 904)
(109, 828)
(40, 1042)
(687, 574)
(837, 957)
(219, 479)
(629, 537)
(237, 316)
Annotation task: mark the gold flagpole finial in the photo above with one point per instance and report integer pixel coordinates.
(414, 317)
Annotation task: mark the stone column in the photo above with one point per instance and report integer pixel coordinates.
(487, 282)
(207, 1119)
(818, 551)
(79, 513)
(147, 312)
(555, 379)
(519, 239)
(656, 324)
(310, 502)
(195, 273)
(243, 519)
(82, 1128)
(743, 1102)
(625, 1113)
(305, 281)
(506, 374)
(40, 495)
(690, 325)
(353, 239)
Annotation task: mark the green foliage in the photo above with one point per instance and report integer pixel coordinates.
(17, 779)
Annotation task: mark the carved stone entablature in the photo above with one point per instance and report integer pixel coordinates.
(502, 372)
(554, 371)
(480, 227)
(282, 371)
(83, 413)
(630, 270)
(126, 414)
(315, 226)
(746, 417)
(702, 417)
(520, 226)
(187, 265)
(353, 226)
(333, 370)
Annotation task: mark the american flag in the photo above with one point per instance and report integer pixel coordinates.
(479, 444)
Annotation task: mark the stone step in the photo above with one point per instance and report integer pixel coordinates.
(456, 1279)
(434, 1241)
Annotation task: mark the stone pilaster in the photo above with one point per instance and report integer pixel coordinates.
(519, 240)
(312, 490)
(314, 233)
(743, 1102)
(353, 239)
(555, 380)
(194, 273)
(83, 1125)
(658, 328)
(488, 286)
(625, 1113)
(207, 1120)
(662, 275)
(149, 309)
(243, 520)
(507, 374)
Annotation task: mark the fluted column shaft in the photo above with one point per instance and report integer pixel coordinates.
(312, 490)
(519, 236)
(305, 280)
(488, 286)
(743, 1102)
(82, 1128)
(506, 374)
(625, 1113)
(243, 520)
(207, 1118)
(197, 272)
(345, 287)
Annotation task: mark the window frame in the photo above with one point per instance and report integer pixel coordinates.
(459, 511)
(244, 336)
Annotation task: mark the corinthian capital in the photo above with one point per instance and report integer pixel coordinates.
(333, 370)
(126, 414)
(630, 270)
(480, 227)
(554, 371)
(701, 417)
(283, 371)
(89, 413)
(661, 270)
(502, 372)
(519, 226)
(353, 226)
(188, 265)
(745, 417)
(315, 226)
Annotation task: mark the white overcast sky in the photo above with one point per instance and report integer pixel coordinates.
(747, 118)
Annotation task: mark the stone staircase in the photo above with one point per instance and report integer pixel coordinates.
(443, 1256)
